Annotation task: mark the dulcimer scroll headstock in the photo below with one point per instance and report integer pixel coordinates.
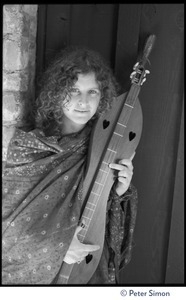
(140, 66)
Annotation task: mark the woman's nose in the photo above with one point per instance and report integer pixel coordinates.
(83, 100)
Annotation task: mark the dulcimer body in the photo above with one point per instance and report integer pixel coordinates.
(94, 210)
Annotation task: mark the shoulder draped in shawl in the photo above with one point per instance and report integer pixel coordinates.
(42, 198)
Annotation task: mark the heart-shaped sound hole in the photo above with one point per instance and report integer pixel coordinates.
(105, 124)
(131, 135)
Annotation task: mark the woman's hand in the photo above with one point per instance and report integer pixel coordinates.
(125, 173)
(77, 250)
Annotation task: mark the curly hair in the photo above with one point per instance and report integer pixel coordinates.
(59, 78)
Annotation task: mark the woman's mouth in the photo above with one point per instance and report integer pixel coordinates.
(81, 111)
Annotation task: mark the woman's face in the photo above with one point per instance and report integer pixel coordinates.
(83, 103)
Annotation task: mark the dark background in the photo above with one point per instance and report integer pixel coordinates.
(118, 32)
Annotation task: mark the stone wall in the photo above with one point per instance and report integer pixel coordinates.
(19, 56)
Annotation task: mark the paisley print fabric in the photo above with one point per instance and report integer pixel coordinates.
(42, 198)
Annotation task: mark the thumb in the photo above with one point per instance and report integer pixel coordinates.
(91, 248)
(95, 247)
(78, 229)
(132, 156)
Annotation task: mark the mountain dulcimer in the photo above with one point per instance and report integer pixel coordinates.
(115, 136)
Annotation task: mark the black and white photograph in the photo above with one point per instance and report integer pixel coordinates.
(93, 149)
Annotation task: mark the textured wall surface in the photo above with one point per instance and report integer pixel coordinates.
(19, 53)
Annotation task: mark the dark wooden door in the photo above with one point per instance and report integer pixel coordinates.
(118, 32)
(92, 25)
(156, 159)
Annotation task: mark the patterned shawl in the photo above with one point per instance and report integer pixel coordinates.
(42, 198)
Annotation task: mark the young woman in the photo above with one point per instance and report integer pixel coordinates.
(43, 179)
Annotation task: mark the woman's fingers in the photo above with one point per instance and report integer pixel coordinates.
(125, 173)
(80, 253)
(78, 229)
(90, 248)
(124, 163)
(77, 250)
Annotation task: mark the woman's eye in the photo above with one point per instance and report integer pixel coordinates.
(74, 91)
(93, 92)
